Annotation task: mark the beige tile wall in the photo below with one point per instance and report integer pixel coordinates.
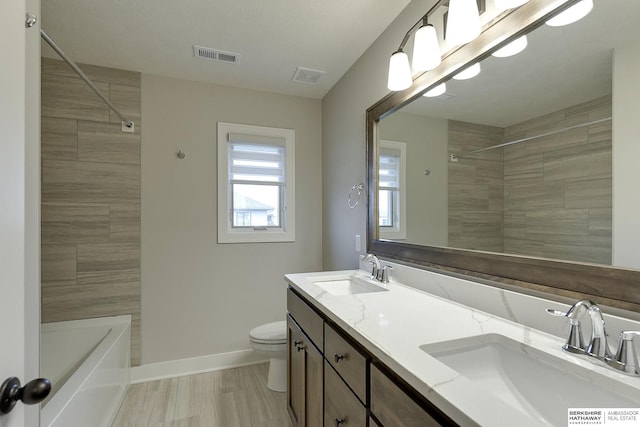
(475, 189)
(549, 197)
(557, 189)
(90, 196)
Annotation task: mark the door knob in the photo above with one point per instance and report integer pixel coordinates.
(33, 392)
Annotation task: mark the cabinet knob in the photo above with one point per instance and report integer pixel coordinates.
(338, 357)
(340, 421)
(297, 343)
(300, 347)
(33, 392)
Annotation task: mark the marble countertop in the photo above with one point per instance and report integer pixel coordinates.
(393, 325)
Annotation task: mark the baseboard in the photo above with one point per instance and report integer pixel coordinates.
(194, 365)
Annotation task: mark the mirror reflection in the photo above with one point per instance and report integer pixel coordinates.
(517, 159)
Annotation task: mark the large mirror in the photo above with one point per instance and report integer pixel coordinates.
(516, 160)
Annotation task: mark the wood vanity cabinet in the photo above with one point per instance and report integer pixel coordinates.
(332, 381)
(304, 367)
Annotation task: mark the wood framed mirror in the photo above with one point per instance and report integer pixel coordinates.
(609, 285)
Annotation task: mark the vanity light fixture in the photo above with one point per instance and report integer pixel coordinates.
(462, 26)
(399, 72)
(513, 48)
(509, 4)
(469, 72)
(571, 15)
(463, 22)
(426, 50)
(436, 91)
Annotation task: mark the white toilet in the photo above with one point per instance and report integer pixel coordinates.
(271, 340)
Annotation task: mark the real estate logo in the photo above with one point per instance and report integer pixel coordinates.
(603, 416)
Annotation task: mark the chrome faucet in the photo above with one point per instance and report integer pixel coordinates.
(597, 346)
(375, 262)
(381, 274)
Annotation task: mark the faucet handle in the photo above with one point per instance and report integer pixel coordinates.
(626, 359)
(383, 275)
(575, 341)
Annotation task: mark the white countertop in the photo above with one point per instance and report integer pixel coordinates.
(393, 325)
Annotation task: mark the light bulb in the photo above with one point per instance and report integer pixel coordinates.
(468, 73)
(571, 15)
(509, 4)
(463, 22)
(513, 48)
(436, 91)
(399, 72)
(426, 51)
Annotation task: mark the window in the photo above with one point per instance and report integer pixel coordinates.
(255, 184)
(392, 190)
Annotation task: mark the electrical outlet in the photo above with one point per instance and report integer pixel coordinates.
(358, 243)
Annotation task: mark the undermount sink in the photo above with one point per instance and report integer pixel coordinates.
(532, 381)
(346, 284)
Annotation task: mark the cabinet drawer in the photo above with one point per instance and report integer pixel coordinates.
(347, 361)
(392, 407)
(310, 322)
(341, 407)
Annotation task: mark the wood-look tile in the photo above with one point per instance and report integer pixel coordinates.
(600, 222)
(468, 196)
(534, 196)
(462, 172)
(90, 182)
(125, 222)
(127, 100)
(58, 263)
(595, 109)
(536, 125)
(588, 193)
(71, 98)
(57, 67)
(482, 224)
(106, 143)
(235, 397)
(108, 257)
(550, 143)
(514, 151)
(135, 337)
(59, 138)
(553, 223)
(524, 168)
(601, 132)
(71, 223)
(592, 160)
(523, 247)
(587, 253)
(49, 311)
(515, 223)
(72, 301)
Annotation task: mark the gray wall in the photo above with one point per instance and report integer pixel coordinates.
(344, 145)
(426, 139)
(90, 196)
(200, 297)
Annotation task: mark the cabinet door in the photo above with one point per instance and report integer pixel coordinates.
(304, 378)
(341, 407)
(295, 375)
(313, 386)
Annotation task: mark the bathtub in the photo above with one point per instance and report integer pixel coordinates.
(88, 363)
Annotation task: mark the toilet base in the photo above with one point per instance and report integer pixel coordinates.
(277, 380)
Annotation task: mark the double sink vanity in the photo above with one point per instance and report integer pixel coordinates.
(429, 349)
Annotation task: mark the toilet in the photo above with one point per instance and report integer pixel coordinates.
(271, 340)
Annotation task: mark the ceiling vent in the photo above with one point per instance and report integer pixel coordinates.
(215, 55)
(307, 75)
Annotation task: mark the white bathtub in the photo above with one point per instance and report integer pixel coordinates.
(88, 363)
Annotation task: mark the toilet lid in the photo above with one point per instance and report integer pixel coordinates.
(270, 333)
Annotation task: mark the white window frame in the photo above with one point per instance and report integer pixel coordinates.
(399, 229)
(229, 234)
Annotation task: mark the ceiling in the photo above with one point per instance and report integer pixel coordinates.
(561, 67)
(273, 37)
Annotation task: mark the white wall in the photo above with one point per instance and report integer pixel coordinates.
(344, 145)
(426, 138)
(626, 156)
(199, 297)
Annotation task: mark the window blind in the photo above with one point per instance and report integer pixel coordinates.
(256, 159)
(389, 169)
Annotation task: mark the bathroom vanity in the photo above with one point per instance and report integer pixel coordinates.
(364, 353)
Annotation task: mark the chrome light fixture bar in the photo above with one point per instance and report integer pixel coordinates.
(572, 14)
(463, 25)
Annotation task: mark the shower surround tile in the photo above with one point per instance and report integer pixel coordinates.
(90, 197)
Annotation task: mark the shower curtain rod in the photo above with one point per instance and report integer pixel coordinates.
(455, 157)
(127, 125)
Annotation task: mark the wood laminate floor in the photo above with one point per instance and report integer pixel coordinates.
(231, 398)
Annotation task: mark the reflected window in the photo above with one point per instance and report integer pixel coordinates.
(391, 190)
